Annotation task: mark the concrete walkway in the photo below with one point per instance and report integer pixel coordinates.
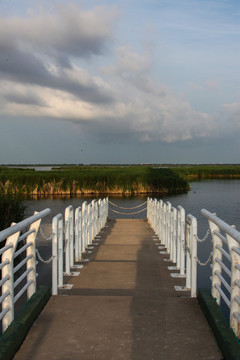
(122, 306)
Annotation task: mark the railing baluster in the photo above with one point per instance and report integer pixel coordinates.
(8, 286)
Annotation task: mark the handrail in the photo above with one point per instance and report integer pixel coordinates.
(222, 224)
(10, 281)
(179, 236)
(4, 234)
(226, 243)
(81, 228)
(73, 240)
(224, 233)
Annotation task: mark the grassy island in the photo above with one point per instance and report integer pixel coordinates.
(106, 179)
(85, 180)
(200, 172)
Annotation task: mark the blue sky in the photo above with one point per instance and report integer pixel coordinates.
(119, 81)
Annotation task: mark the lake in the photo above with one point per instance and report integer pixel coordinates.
(219, 196)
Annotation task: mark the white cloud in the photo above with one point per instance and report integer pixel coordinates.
(41, 77)
(68, 31)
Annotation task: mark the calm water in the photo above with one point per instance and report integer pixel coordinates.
(219, 196)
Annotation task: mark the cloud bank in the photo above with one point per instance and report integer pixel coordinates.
(44, 74)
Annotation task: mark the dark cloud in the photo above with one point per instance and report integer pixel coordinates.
(69, 30)
(30, 47)
(25, 99)
(22, 67)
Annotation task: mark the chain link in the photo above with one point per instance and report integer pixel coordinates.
(185, 247)
(44, 236)
(206, 262)
(204, 238)
(137, 212)
(42, 260)
(120, 207)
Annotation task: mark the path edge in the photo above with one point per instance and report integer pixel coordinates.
(225, 337)
(12, 338)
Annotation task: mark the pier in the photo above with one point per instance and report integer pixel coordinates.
(121, 289)
(122, 306)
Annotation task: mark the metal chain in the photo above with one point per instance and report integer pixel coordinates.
(137, 212)
(204, 238)
(135, 207)
(50, 238)
(206, 262)
(42, 260)
(44, 236)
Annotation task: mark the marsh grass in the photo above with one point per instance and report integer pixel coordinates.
(115, 179)
(11, 209)
(200, 172)
(92, 179)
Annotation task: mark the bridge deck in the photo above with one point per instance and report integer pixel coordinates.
(122, 306)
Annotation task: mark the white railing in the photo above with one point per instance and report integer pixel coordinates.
(179, 237)
(225, 267)
(81, 227)
(14, 285)
(72, 234)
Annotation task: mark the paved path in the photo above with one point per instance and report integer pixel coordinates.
(122, 306)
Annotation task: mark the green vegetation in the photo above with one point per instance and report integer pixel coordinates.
(11, 210)
(92, 179)
(110, 179)
(199, 172)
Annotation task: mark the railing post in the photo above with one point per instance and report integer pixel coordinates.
(154, 214)
(84, 206)
(57, 253)
(78, 234)
(89, 219)
(8, 286)
(191, 243)
(235, 291)
(107, 204)
(157, 219)
(168, 225)
(102, 212)
(215, 265)
(68, 242)
(93, 219)
(164, 224)
(181, 240)
(170, 244)
(60, 251)
(150, 212)
(193, 256)
(71, 228)
(160, 219)
(174, 235)
(188, 255)
(96, 219)
(105, 210)
(99, 214)
(31, 263)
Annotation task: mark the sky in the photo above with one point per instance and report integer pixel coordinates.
(119, 81)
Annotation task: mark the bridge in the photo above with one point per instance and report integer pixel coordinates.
(121, 289)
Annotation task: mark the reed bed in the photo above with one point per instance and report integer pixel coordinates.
(92, 179)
